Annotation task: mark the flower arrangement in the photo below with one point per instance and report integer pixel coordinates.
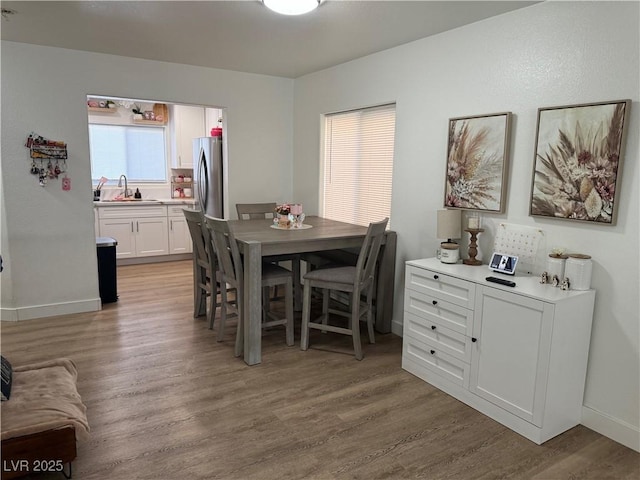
(283, 209)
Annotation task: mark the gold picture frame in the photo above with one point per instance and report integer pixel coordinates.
(477, 162)
(578, 161)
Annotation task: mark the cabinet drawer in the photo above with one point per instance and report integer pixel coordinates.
(430, 358)
(132, 212)
(441, 312)
(452, 289)
(176, 210)
(450, 342)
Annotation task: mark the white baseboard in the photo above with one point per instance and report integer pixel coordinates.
(396, 327)
(617, 430)
(50, 310)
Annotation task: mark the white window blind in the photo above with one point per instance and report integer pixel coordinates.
(358, 165)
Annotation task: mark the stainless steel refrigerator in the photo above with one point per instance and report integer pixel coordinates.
(208, 175)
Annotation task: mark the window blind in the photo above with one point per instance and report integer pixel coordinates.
(358, 165)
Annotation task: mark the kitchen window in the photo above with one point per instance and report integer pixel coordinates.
(358, 165)
(135, 151)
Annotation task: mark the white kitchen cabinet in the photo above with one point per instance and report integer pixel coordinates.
(518, 355)
(139, 231)
(188, 123)
(179, 236)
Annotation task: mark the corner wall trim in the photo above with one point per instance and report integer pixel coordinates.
(617, 430)
(50, 310)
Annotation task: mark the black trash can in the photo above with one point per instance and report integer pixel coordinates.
(107, 278)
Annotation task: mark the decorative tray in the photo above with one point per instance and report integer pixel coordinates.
(304, 226)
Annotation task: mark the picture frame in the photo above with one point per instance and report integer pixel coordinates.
(578, 161)
(477, 162)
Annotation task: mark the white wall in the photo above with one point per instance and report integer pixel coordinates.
(546, 55)
(48, 240)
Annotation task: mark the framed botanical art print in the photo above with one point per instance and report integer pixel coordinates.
(578, 160)
(477, 161)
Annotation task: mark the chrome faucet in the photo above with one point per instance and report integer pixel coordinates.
(126, 191)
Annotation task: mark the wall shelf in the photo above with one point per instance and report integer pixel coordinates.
(102, 109)
(148, 122)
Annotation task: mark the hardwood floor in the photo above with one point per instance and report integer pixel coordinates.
(166, 401)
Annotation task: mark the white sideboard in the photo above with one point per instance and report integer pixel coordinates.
(517, 354)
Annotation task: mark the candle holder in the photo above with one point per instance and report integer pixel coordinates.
(473, 246)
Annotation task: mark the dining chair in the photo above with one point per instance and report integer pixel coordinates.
(355, 280)
(231, 274)
(205, 282)
(252, 211)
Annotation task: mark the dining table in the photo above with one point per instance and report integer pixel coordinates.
(261, 238)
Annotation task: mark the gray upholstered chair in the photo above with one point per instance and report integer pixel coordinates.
(355, 280)
(204, 266)
(231, 274)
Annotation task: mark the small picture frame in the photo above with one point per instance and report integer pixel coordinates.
(477, 162)
(578, 161)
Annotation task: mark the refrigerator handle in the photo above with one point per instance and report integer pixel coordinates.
(202, 195)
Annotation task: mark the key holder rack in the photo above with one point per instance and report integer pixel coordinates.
(48, 159)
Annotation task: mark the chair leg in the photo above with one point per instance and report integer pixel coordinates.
(223, 311)
(212, 306)
(297, 291)
(306, 312)
(355, 324)
(239, 336)
(325, 307)
(289, 311)
(372, 338)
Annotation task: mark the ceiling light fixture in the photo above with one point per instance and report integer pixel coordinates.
(292, 7)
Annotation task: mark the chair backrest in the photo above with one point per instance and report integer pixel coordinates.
(198, 233)
(252, 211)
(227, 252)
(365, 268)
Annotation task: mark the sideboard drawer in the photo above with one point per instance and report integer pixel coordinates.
(449, 315)
(428, 358)
(452, 289)
(454, 343)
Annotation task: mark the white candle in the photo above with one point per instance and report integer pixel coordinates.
(474, 222)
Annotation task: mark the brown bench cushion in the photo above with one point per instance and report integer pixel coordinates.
(44, 397)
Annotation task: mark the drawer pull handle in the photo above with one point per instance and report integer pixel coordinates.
(435, 277)
(435, 302)
(433, 352)
(474, 339)
(433, 327)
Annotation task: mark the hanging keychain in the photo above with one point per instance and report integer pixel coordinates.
(66, 183)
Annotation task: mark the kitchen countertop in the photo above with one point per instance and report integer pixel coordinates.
(143, 202)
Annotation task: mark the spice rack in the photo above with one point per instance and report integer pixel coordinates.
(181, 187)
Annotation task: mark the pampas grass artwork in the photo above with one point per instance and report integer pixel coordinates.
(477, 162)
(577, 161)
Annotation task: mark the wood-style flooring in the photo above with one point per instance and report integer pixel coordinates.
(166, 401)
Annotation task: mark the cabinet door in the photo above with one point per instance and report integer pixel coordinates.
(152, 237)
(510, 351)
(188, 124)
(122, 229)
(179, 236)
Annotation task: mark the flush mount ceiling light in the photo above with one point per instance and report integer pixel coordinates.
(292, 7)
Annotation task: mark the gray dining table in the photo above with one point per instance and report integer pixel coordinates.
(257, 239)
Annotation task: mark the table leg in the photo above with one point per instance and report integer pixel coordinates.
(252, 303)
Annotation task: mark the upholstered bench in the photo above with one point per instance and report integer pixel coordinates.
(42, 419)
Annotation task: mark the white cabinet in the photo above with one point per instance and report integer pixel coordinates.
(139, 231)
(188, 123)
(518, 355)
(179, 236)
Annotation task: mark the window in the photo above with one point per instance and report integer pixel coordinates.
(358, 165)
(135, 151)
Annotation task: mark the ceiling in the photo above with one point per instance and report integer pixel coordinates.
(240, 35)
